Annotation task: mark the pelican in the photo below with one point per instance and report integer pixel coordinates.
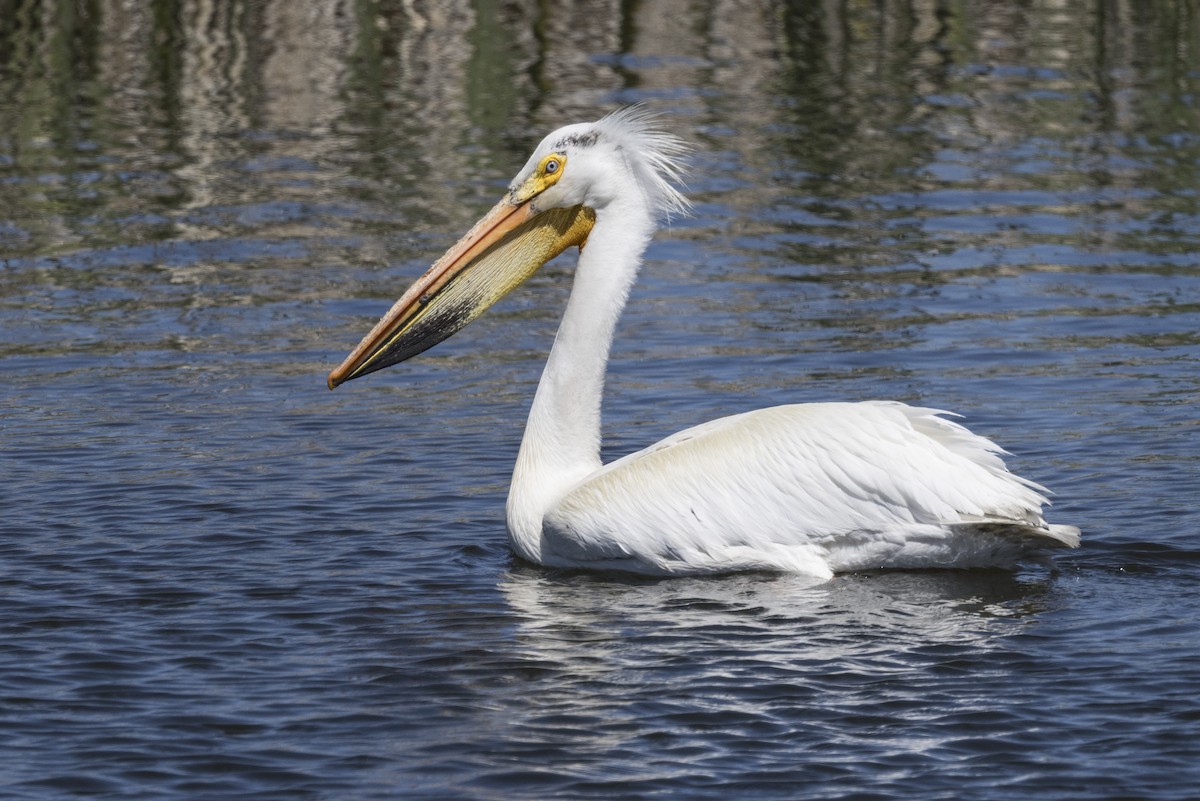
(817, 488)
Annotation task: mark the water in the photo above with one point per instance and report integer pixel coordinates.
(220, 580)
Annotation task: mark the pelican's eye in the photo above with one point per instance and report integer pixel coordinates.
(551, 168)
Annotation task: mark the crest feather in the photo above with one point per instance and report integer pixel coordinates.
(654, 153)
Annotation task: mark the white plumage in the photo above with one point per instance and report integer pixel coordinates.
(815, 488)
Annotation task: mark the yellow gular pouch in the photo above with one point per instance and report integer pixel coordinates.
(511, 261)
(482, 282)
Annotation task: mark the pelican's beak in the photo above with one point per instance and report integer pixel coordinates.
(501, 251)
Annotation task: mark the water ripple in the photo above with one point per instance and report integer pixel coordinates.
(219, 580)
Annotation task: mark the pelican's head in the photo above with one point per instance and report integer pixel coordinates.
(575, 174)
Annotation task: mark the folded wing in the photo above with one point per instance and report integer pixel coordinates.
(816, 488)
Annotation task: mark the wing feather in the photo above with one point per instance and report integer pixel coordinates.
(813, 487)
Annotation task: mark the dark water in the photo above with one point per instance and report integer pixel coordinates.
(219, 580)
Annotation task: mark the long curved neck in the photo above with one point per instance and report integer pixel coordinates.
(561, 445)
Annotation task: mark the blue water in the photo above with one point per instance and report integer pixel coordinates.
(218, 580)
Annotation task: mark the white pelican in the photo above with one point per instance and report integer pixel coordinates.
(815, 488)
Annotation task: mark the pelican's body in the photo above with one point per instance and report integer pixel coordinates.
(812, 488)
(817, 488)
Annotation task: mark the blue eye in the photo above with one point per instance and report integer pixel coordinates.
(551, 167)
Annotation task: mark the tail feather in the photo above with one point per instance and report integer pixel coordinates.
(1032, 535)
(1067, 535)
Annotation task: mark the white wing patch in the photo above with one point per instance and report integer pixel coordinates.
(814, 488)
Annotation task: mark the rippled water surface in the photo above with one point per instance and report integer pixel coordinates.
(220, 580)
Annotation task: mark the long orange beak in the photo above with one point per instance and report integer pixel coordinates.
(501, 251)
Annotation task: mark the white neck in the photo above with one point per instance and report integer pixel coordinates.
(561, 445)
